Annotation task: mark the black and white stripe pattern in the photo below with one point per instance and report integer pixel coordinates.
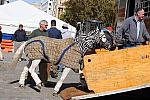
(86, 41)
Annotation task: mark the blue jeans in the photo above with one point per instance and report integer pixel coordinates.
(129, 46)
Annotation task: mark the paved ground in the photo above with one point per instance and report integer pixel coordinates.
(9, 89)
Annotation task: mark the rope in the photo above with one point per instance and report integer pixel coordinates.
(63, 53)
(42, 48)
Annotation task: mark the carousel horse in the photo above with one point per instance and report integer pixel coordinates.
(68, 52)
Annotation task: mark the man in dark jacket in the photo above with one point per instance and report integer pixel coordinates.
(53, 32)
(133, 31)
(1, 35)
(20, 34)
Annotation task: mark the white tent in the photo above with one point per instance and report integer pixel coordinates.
(20, 12)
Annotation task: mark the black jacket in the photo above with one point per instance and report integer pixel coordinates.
(1, 35)
(20, 35)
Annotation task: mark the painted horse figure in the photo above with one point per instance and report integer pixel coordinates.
(68, 52)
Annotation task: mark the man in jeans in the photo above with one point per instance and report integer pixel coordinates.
(133, 31)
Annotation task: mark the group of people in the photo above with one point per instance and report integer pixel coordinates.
(53, 32)
(133, 31)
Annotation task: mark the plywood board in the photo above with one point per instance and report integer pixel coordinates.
(119, 69)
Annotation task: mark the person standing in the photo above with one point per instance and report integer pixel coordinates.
(66, 33)
(20, 34)
(53, 32)
(133, 32)
(1, 35)
(43, 66)
(19, 37)
(41, 31)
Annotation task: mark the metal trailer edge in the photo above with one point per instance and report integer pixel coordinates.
(109, 92)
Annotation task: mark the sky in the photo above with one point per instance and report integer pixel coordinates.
(28, 1)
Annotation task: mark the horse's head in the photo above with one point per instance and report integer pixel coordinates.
(95, 39)
(105, 40)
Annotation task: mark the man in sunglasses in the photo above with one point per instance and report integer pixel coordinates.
(41, 31)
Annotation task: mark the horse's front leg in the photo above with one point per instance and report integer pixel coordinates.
(59, 83)
(37, 80)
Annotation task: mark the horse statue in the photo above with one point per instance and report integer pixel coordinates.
(68, 52)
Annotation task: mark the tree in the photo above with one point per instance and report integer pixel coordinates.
(78, 10)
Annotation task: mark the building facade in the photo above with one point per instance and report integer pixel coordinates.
(60, 7)
(53, 7)
(126, 9)
(49, 6)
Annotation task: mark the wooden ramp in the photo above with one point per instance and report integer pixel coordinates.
(119, 70)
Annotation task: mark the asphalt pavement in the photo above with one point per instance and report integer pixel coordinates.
(9, 86)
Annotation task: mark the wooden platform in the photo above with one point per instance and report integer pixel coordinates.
(117, 70)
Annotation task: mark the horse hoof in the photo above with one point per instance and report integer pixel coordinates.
(42, 84)
(22, 85)
(55, 94)
(39, 86)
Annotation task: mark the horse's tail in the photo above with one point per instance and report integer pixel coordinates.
(17, 55)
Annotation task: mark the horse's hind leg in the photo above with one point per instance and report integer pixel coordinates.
(24, 74)
(33, 74)
(59, 83)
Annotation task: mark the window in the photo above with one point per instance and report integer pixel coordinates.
(145, 4)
